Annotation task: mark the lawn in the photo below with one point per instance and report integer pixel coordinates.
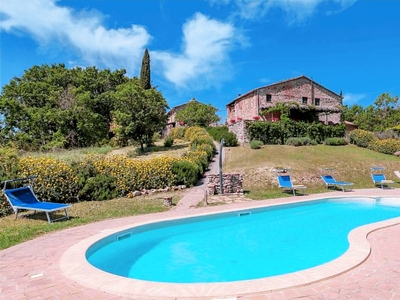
(14, 231)
(350, 163)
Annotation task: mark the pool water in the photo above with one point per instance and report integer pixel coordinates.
(241, 245)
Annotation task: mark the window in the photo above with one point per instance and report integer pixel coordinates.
(269, 97)
(305, 100)
(317, 101)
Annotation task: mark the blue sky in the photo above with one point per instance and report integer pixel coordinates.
(212, 49)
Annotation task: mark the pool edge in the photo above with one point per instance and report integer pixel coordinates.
(74, 265)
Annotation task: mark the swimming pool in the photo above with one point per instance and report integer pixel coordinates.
(239, 245)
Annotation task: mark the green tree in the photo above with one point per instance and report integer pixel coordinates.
(52, 106)
(138, 113)
(382, 115)
(387, 110)
(145, 71)
(197, 114)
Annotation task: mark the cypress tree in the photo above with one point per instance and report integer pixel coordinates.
(145, 71)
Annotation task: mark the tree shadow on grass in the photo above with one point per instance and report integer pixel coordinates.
(152, 149)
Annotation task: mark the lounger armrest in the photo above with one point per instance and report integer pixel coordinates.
(299, 186)
(386, 181)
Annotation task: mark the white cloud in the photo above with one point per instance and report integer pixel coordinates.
(296, 11)
(82, 32)
(351, 99)
(204, 60)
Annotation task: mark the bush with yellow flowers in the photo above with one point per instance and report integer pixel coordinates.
(177, 133)
(56, 180)
(362, 138)
(195, 132)
(132, 174)
(387, 146)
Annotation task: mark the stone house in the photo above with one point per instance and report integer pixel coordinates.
(172, 123)
(302, 95)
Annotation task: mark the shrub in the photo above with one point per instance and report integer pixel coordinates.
(388, 134)
(335, 141)
(222, 132)
(198, 157)
(168, 142)
(298, 141)
(56, 181)
(178, 133)
(100, 187)
(195, 132)
(200, 140)
(278, 132)
(388, 146)
(9, 160)
(208, 149)
(185, 172)
(362, 138)
(133, 174)
(255, 144)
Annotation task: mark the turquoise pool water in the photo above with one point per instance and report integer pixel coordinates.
(242, 245)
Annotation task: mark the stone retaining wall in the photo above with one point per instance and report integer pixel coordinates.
(232, 183)
(240, 130)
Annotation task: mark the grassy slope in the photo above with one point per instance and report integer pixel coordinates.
(351, 163)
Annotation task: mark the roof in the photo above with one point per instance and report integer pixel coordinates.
(175, 108)
(349, 123)
(280, 82)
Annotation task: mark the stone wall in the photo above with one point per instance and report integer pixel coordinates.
(240, 130)
(247, 107)
(232, 183)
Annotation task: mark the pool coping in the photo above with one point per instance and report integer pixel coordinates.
(74, 265)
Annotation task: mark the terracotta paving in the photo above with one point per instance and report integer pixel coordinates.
(48, 267)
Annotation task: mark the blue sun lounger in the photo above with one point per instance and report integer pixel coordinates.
(285, 183)
(380, 180)
(331, 182)
(25, 198)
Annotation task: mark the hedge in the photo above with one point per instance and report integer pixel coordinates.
(277, 133)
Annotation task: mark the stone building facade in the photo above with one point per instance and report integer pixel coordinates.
(171, 114)
(301, 93)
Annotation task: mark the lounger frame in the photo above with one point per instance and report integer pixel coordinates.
(380, 180)
(34, 203)
(331, 182)
(285, 183)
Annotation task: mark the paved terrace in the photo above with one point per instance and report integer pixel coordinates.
(53, 266)
(49, 267)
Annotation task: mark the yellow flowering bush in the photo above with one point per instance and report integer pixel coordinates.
(177, 133)
(132, 174)
(387, 146)
(56, 181)
(193, 132)
(362, 138)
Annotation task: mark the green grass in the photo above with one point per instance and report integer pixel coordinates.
(71, 155)
(351, 163)
(14, 231)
